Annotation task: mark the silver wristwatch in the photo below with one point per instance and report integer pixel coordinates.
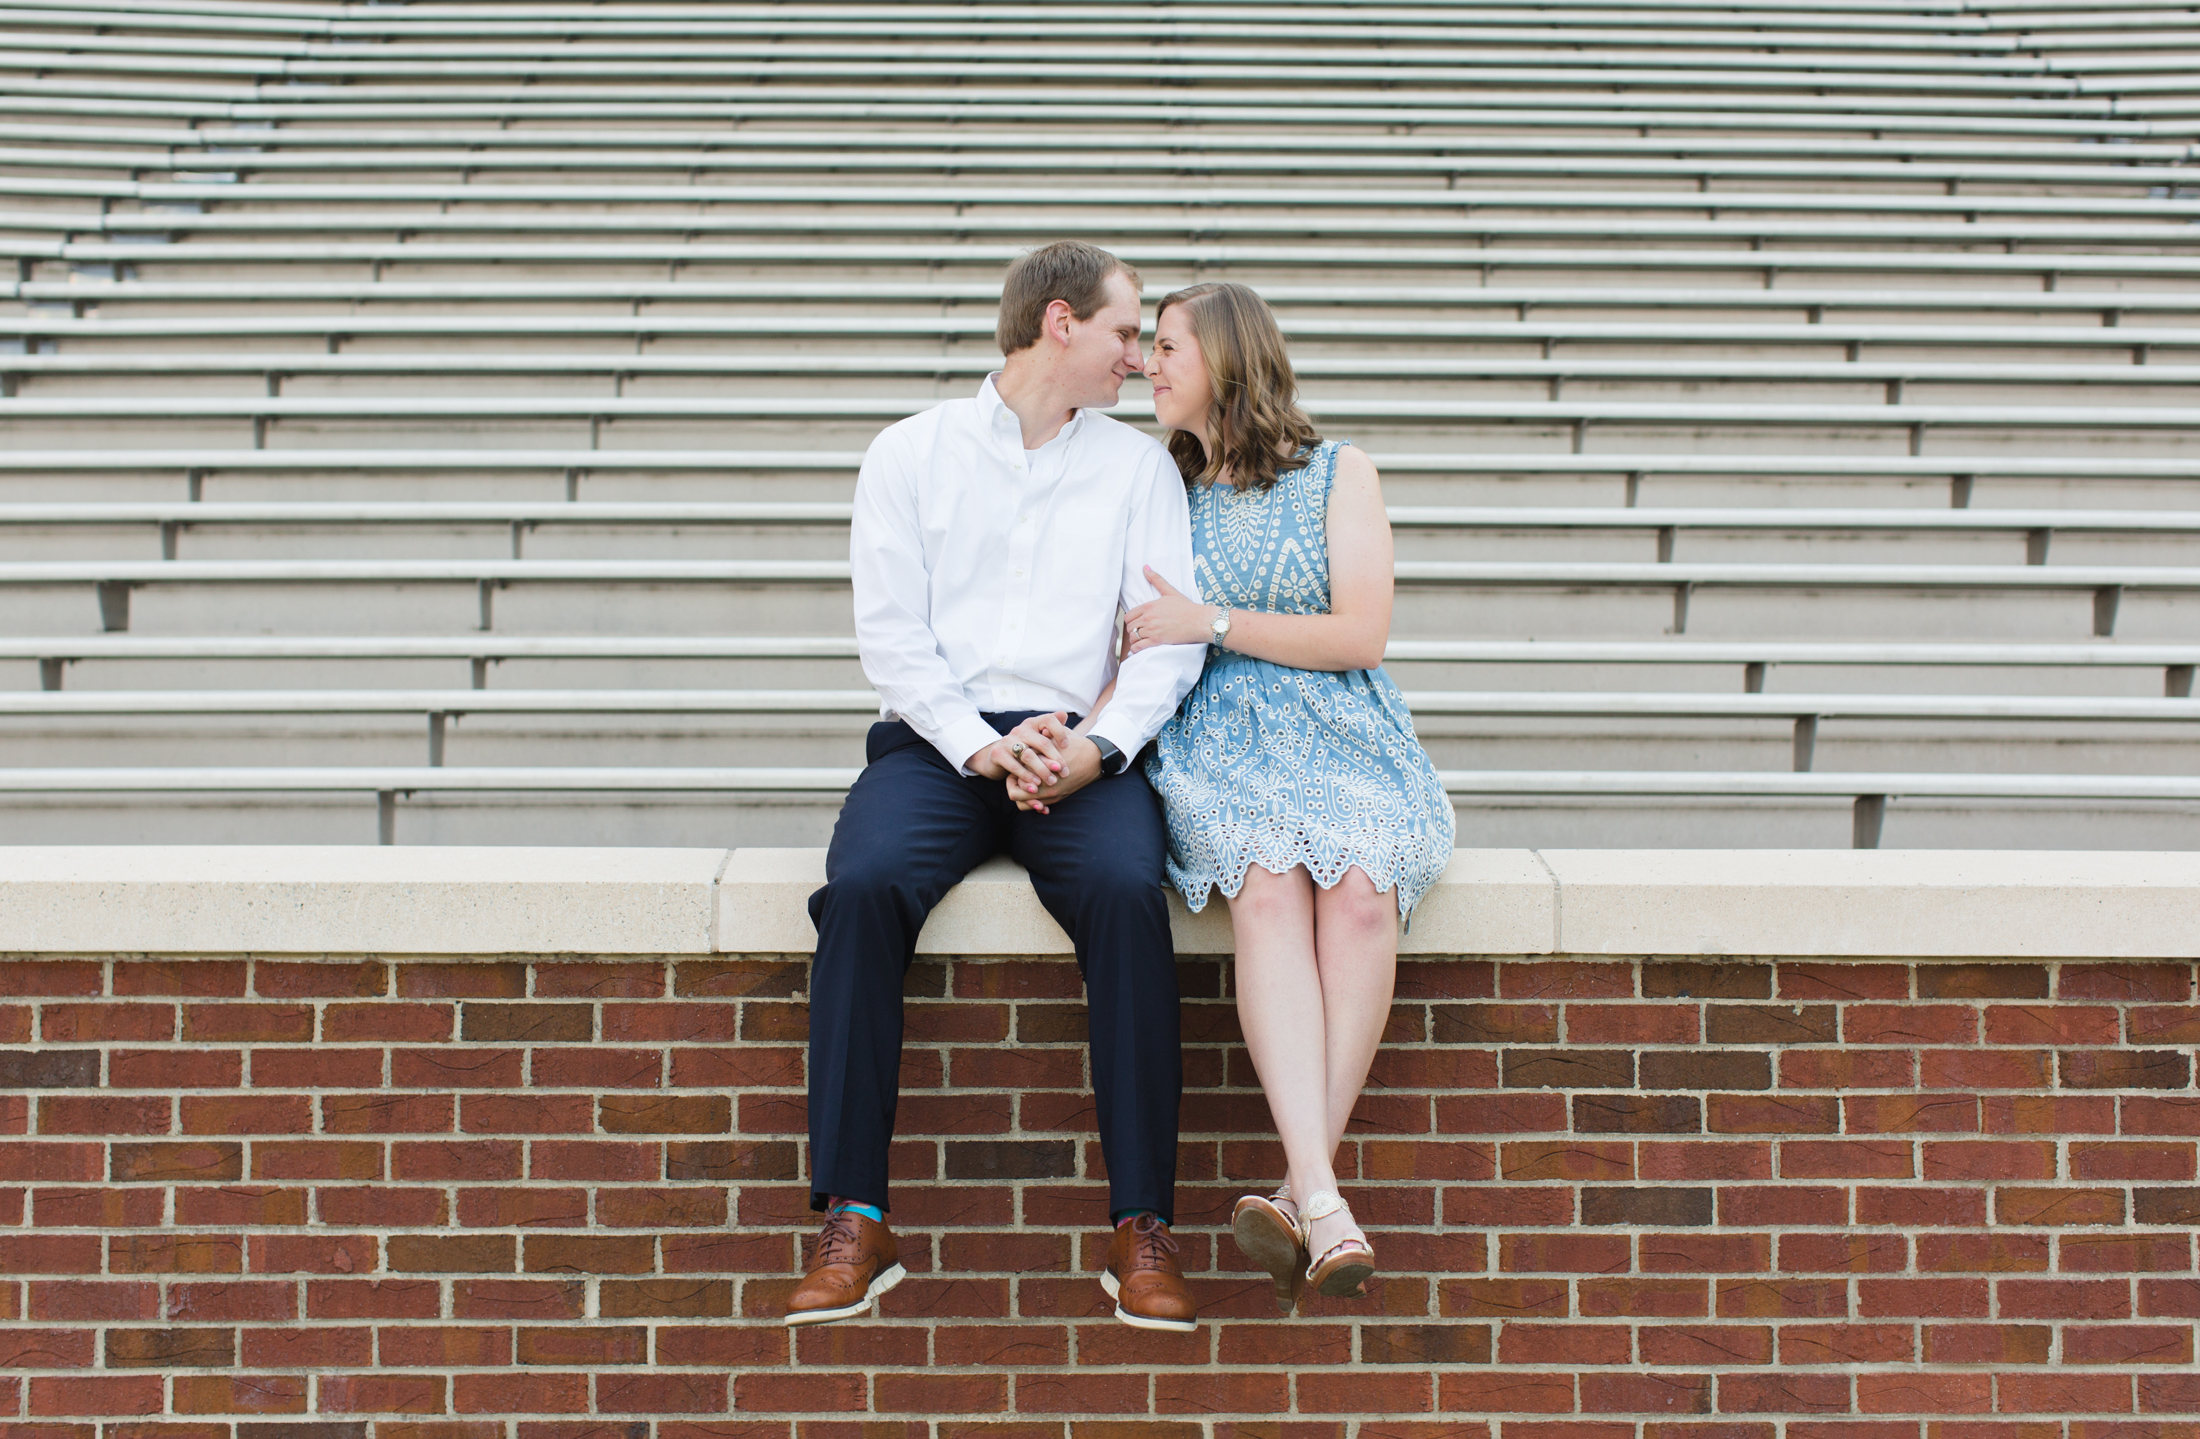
(1219, 629)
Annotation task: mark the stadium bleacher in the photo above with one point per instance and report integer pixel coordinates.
(437, 421)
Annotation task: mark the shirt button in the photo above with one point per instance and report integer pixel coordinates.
(1018, 573)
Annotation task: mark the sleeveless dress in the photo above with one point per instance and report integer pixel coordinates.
(1265, 764)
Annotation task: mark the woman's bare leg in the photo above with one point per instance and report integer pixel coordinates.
(1356, 954)
(1278, 981)
(1294, 942)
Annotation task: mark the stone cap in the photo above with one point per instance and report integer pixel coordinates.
(340, 899)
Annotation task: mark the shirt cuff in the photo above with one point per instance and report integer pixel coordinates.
(962, 739)
(1124, 736)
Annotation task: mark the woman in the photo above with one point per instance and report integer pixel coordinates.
(1291, 776)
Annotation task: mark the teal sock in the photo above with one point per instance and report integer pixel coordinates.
(869, 1211)
(1125, 1216)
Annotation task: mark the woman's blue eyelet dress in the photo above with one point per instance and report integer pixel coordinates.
(1269, 765)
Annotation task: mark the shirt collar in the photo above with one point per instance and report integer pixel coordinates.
(994, 412)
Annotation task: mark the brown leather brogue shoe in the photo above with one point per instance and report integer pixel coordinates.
(1143, 1279)
(855, 1262)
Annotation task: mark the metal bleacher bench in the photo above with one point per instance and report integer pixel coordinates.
(114, 580)
(1868, 792)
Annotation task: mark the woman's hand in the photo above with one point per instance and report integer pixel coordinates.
(1170, 619)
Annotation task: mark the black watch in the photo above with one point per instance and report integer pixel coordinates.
(1111, 758)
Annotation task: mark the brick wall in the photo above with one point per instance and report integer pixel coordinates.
(549, 1200)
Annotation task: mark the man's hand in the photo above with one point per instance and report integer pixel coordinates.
(1071, 762)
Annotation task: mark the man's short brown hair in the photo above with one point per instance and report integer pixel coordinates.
(1067, 270)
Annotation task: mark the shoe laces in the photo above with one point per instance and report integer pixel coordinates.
(1151, 1242)
(841, 1240)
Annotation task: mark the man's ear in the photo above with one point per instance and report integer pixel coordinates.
(1059, 315)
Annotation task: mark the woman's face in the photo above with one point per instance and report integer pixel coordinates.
(1182, 395)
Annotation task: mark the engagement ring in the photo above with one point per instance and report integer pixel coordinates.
(1017, 749)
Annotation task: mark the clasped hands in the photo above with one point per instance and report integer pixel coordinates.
(1042, 761)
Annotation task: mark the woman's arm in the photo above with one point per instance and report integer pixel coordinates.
(1361, 584)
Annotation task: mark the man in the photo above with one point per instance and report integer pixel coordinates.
(995, 540)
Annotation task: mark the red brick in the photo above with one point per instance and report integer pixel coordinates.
(1510, 1392)
(2062, 1392)
(1646, 1393)
(2061, 1299)
(175, 1254)
(1851, 1252)
(381, 1393)
(256, 1204)
(1839, 981)
(1986, 1160)
(174, 1068)
(1938, 1393)
(1781, 1299)
(660, 1393)
(730, 1345)
(1848, 1068)
(373, 1299)
(1663, 1298)
(1633, 1023)
(2127, 1344)
(1569, 1253)
(521, 1393)
(1505, 1298)
(1523, 1161)
(1982, 1069)
(63, 1162)
(1564, 1344)
(462, 980)
(1907, 1206)
(2015, 1204)
(1911, 1113)
(25, 978)
(318, 1068)
(2125, 1253)
(470, 1160)
(1909, 1024)
(246, 1114)
(601, 979)
(1845, 1159)
(105, 1394)
(103, 1114)
(396, 1021)
(1772, 1114)
(1706, 1253)
(2167, 1160)
(1923, 1298)
(314, 1253)
(1995, 1253)
(596, 1068)
(442, 1346)
(195, 978)
(2049, 1114)
(592, 1160)
(526, 1300)
(1785, 1393)
(2051, 1025)
(2125, 982)
(1845, 1344)
(49, 1348)
(93, 1300)
(2160, 1114)
(247, 1023)
(2170, 1394)
(308, 1347)
(817, 1393)
(238, 1394)
(316, 1159)
(458, 1067)
(389, 1205)
(98, 1208)
(275, 980)
(1988, 1343)
(107, 1023)
(1705, 1344)
(231, 1301)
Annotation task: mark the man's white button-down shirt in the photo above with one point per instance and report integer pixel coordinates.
(989, 577)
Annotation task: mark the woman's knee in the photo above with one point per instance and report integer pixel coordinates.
(1354, 911)
(1270, 900)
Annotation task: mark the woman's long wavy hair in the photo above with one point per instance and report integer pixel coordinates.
(1258, 428)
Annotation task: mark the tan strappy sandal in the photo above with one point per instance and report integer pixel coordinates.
(1341, 1270)
(1267, 1232)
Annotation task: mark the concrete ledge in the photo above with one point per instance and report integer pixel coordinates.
(459, 901)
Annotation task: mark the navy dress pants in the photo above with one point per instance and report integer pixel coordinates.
(912, 827)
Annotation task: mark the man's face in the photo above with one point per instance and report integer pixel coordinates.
(1102, 350)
